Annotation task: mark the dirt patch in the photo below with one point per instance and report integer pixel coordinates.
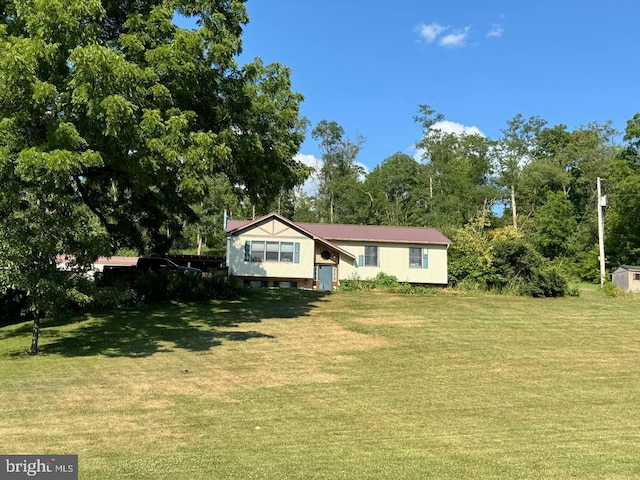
(307, 350)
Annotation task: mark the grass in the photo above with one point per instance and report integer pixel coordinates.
(286, 384)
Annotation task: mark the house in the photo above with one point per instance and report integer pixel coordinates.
(273, 251)
(627, 277)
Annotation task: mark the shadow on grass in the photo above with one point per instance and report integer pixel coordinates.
(150, 329)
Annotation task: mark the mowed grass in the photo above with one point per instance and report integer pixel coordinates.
(298, 385)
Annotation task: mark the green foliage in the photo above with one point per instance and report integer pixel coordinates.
(383, 283)
(623, 213)
(503, 261)
(340, 193)
(152, 287)
(113, 121)
(610, 289)
(554, 225)
(393, 188)
(470, 257)
(457, 179)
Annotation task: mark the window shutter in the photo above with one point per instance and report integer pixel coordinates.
(425, 260)
(247, 251)
(360, 260)
(296, 253)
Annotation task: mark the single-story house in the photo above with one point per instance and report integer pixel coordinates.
(627, 277)
(273, 251)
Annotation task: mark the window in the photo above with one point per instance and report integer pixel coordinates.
(259, 251)
(370, 256)
(418, 257)
(636, 276)
(286, 252)
(273, 251)
(415, 257)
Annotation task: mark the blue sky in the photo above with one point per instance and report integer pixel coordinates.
(369, 64)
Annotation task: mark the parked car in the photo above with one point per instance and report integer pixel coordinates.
(158, 264)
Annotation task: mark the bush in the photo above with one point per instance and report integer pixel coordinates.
(384, 283)
(612, 290)
(503, 261)
(519, 265)
(382, 280)
(162, 286)
(356, 285)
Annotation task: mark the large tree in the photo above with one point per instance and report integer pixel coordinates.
(339, 190)
(457, 179)
(393, 191)
(515, 150)
(623, 192)
(113, 118)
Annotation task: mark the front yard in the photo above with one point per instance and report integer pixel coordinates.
(287, 384)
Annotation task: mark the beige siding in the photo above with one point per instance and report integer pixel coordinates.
(393, 259)
(271, 231)
(634, 285)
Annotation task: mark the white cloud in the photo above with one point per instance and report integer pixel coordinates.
(458, 38)
(430, 32)
(365, 171)
(418, 153)
(447, 126)
(310, 186)
(308, 160)
(496, 31)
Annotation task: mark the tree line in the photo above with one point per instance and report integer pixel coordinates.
(122, 132)
(535, 183)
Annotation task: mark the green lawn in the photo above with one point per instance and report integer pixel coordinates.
(286, 385)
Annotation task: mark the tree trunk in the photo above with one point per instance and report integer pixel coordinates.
(36, 335)
(513, 207)
(199, 242)
(331, 211)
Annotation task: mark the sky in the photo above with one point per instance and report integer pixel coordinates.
(369, 64)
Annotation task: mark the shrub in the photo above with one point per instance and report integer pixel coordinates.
(382, 280)
(356, 284)
(384, 283)
(612, 290)
(518, 264)
(163, 286)
(503, 261)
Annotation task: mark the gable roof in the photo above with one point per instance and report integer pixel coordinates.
(236, 227)
(629, 268)
(367, 233)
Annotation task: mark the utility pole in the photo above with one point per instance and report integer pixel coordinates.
(602, 202)
(514, 214)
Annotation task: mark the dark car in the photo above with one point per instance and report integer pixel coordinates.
(158, 264)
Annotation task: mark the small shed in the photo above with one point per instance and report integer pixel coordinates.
(627, 277)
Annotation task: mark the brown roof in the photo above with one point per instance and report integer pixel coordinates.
(117, 261)
(376, 233)
(371, 233)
